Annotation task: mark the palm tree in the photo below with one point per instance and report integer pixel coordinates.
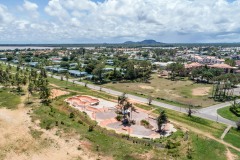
(162, 118)
(67, 77)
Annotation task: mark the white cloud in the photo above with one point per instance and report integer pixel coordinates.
(168, 21)
(31, 7)
(5, 16)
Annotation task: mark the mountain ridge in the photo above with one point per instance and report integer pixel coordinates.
(147, 41)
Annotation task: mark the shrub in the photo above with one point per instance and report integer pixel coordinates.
(48, 126)
(80, 122)
(133, 122)
(144, 122)
(119, 117)
(90, 129)
(71, 115)
(172, 145)
(235, 110)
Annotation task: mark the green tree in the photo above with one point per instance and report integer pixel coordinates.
(230, 62)
(175, 69)
(98, 71)
(130, 70)
(161, 119)
(90, 67)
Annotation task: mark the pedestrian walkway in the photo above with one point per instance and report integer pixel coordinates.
(225, 132)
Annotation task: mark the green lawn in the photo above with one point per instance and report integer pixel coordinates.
(233, 137)
(8, 100)
(226, 113)
(207, 149)
(233, 151)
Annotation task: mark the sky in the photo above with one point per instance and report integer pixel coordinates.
(116, 21)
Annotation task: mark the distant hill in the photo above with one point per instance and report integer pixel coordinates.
(144, 42)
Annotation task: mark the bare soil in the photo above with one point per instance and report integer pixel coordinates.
(201, 91)
(230, 156)
(57, 92)
(145, 87)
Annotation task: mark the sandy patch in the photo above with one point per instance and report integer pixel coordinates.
(230, 156)
(171, 92)
(201, 91)
(56, 93)
(145, 87)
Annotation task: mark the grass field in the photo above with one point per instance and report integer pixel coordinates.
(203, 149)
(181, 91)
(226, 113)
(8, 100)
(233, 137)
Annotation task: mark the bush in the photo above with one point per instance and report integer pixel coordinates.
(90, 129)
(133, 122)
(119, 117)
(48, 126)
(172, 145)
(145, 123)
(235, 110)
(71, 115)
(80, 122)
(238, 124)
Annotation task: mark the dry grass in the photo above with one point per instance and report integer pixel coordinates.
(180, 91)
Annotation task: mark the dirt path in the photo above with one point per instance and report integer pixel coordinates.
(229, 155)
(17, 142)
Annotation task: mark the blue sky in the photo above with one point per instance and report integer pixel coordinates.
(113, 21)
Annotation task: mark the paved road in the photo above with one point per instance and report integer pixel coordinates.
(209, 113)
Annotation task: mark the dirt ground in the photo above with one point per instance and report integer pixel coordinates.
(201, 91)
(145, 87)
(57, 92)
(230, 156)
(18, 143)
